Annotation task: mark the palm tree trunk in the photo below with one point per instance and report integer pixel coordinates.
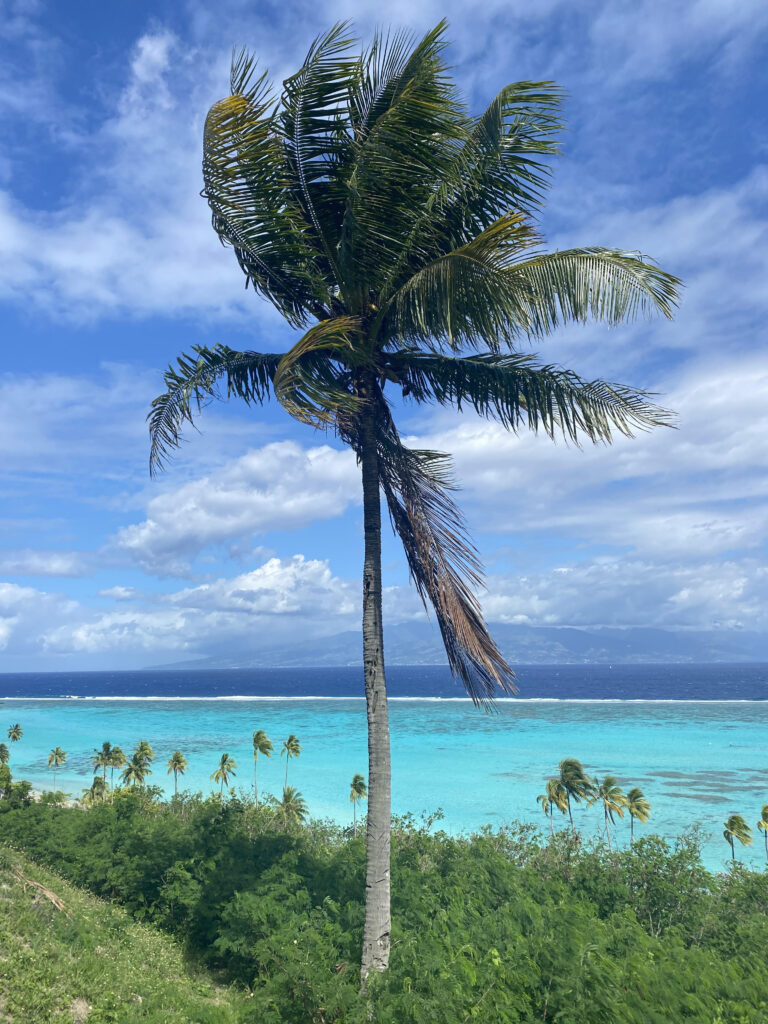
(551, 823)
(376, 934)
(354, 818)
(631, 829)
(54, 783)
(607, 829)
(765, 840)
(287, 759)
(570, 815)
(733, 851)
(255, 783)
(175, 782)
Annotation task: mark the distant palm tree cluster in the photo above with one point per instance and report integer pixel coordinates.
(573, 785)
(292, 806)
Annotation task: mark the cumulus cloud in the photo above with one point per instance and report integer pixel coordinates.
(277, 487)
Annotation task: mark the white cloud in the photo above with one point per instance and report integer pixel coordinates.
(281, 486)
(45, 563)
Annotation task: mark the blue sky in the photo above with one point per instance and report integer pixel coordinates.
(109, 268)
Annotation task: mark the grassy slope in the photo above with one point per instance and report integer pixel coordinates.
(91, 962)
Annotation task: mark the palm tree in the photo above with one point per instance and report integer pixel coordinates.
(101, 760)
(227, 766)
(15, 733)
(576, 783)
(136, 770)
(177, 764)
(763, 826)
(554, 796)
(613, 799)
(145, 751)
(5, 754)
(358, 791)
(639, 807)
(95, 792)
(293, 807)
(117, 759)
(291, 748)
(394, 229)
(262, 744)
(737, 828)
(56, 759)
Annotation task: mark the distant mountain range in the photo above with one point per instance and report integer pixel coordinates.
(419, 643)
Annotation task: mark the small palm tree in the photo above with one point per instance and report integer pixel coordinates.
(291, 748)
(5, 754)
(639, 807)
(101, 760)
(613, 800)
(177, 764)
(262, 744)
(227, 766)
(95, 792)
(293, 807)
(737, 828)
(576, 784)
(145, 751)
(15, 733)
(763, 826)
(554, 796)
(135, 771)
(117, 759)
(358, 791)
(56, 759)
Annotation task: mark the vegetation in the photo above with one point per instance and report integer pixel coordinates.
(15, 733)
(396, 230)
(763, 827)
(225, 771)
(262, 744)
(56, 759)
(357, 791)
(68, 957)
(639, 808)
(737, 828)
(500, 927)
(177, 764)
(291, 748)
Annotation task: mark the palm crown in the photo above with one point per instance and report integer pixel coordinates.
(392, 226)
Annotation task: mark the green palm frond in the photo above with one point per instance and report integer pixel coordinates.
(482, 295)
(443, 564)
(575, 781)
(313, 123)
(193, 381)
(244, 172)
(556, 794)
(638, 806)
(520, 393)
(335, 338)
(737, 828)
(407, 121)
(262, 744)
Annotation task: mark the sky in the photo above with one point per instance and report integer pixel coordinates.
(109, 269)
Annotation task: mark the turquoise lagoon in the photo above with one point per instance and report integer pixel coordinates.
(697, 761)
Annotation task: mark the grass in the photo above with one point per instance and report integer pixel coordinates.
(68, 958)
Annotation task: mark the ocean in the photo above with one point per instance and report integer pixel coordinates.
(694, 738)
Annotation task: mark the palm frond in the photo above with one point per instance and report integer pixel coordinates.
(244, 173)
(407, 122)
(442, 561)
(313, 122)
(194, 380)
(335, 335)
(521, 393)
(483, 295)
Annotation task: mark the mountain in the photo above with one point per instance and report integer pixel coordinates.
(419, 643)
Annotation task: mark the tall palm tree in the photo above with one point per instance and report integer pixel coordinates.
(394, 229)
(554, 796)
(293, 806)
(227, 766)
(15, 733)
(291, 748)
(763, 826)
(639, 807)
(177, 764)
(5, 754)
(613, 800)
(737, 828)
(56, 759)
(576, 783)
(358, 791)
(262, 744)
(136, 770)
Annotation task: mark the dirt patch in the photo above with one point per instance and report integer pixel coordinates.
(79, 1009)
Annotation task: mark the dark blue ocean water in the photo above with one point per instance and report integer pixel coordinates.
(554, 682)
